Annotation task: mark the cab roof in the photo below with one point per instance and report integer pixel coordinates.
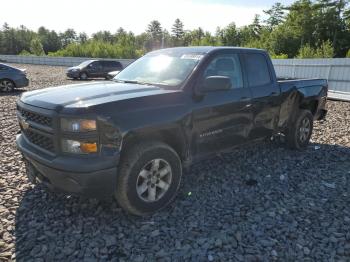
(205, 49)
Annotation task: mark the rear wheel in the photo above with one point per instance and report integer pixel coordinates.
(6, 85)
(299, 134)
(148, 178)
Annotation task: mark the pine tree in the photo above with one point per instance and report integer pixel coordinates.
(155, 33)
(178, 29)
(155, 29)
(275, 14)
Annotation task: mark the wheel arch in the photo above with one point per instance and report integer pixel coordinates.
(174, 137)
(311, 105)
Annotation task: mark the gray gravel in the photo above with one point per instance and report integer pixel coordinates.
(258, 203)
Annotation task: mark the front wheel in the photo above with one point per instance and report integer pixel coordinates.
(83, 76)
(299, 134)
(148, 179)
(6, 85)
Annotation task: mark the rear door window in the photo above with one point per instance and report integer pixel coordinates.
(116, 64)
(257, 70)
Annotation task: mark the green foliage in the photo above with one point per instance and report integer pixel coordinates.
(348, 54)
(280, 56)
(49, 39)
(325, 50)
(229, 36)
(306, 51)
(25, 53)
(276, 15)
(155, 29)
(95, 48)
(36, 47)
(178, 29)
(67, 37)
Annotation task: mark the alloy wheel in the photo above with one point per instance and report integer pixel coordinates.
(304, 130)
(6, 86)
(154, 180)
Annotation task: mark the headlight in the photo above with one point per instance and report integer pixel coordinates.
(78, 147)
(78, 125)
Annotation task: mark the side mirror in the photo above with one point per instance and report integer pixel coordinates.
(216, 83)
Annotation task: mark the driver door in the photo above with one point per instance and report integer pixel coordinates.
(94, 69)
(223, 118)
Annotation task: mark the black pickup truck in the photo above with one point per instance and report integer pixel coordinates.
(131, 137)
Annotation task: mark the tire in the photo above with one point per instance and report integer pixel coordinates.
(7, 85)
(143, 189)
(83, 76)
(299, 134)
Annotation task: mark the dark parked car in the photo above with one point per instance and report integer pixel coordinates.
(93, 69)
(11, 77)
(132, 137)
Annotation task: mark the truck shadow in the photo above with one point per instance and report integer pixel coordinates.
(215, 202)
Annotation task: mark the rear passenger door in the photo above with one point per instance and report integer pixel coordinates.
(106, 68)
(265, 94)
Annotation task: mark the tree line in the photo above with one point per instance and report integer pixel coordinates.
(304, 29)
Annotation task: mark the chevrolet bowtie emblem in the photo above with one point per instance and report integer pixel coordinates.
(24, 124)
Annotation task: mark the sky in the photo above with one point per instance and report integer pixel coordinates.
(133, 15)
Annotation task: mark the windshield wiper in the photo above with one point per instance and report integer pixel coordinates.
(132, 82)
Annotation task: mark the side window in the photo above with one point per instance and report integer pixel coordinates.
(104, 63)
(226, 65)
(95, 65)
(257, 70)
(110, 64)
(116, 64)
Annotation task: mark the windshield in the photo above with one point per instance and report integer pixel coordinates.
(168, 69)
(85, 63)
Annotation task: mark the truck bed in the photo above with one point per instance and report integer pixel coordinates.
(312, 86)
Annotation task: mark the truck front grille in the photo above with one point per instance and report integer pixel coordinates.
(35, 117)
(40, 140)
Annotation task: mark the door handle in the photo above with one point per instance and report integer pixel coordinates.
(273, 94)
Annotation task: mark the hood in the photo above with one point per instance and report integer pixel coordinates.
(73, 67)
(88, 94)
(22, 70)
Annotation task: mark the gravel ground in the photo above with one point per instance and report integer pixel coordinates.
(258, 203)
